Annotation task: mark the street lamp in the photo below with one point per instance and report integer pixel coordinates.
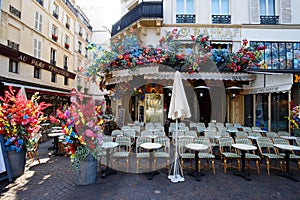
(202, 89)
(233, 91)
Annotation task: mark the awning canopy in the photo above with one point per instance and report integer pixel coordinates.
(156, 73)
(39, 89)
(269, 83)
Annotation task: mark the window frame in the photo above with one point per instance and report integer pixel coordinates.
(38, 21)
(53, 77)
(37, 73)
(37, 48)
(13, 68)
(266, 11)
(220, 6)
(53, 56)
(185, 7)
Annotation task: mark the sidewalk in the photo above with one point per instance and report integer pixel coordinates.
(54, 178)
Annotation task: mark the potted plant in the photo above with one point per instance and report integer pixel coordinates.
(82, 123)
(20, 121)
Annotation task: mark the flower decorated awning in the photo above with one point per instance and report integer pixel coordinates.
(155, 72)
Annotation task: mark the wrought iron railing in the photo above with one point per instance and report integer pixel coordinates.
(221, 19)
(153, 9)
(265, 19)
(185, 18)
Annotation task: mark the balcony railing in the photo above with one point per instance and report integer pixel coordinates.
(185, 18)
(221, 19)
(153, 9)
(265, 19)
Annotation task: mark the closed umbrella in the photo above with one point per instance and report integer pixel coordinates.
(179, 108)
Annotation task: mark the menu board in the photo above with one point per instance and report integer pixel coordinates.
(121, 117)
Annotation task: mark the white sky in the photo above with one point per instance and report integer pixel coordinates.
(101, 12)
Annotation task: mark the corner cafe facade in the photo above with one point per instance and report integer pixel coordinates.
(50, 94)
(263, 98)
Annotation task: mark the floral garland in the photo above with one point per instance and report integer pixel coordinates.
(129, 53)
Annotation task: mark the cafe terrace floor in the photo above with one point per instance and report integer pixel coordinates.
(54, 178)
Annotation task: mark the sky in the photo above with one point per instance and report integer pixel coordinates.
(101, 12)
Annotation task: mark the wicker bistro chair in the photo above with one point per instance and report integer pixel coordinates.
(241, 134)
(131, 133)
(159, 133)
(33, 151)
(272, 134)
(190, 133)
(140, 152)
(124, 150)
(283, 133)
(293, 156)
(268, 151)
(250, 155)
(163, 152)
(116, 133)
(145, 133)
(207, 154)
(184, 152)
(228, 152)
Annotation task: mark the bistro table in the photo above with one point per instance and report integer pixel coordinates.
(151, 147)
(243, 148)
(108, 146)
(55, 136)
(287, 149)
(196, 148)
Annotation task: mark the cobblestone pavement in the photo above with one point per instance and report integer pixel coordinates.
(54, 178)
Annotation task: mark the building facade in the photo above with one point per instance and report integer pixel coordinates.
(43, 50)
(260, 100)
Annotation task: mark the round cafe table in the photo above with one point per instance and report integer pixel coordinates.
(287, 149)
(243, 148)
(108, 146)
(151, 147)
(196, 148)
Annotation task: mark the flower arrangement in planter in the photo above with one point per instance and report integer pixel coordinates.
(54, 37)
(67, 46)
(294, 118)
(82, 123)
(20, 119)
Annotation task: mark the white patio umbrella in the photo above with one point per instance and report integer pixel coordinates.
(23, 92)
(179, 108)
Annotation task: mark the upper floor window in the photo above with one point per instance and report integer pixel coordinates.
(55, 10)
(80, 31)
(220, 7)
(37, 48)
(68, 22)
(53, 56)
(53, 77)
(13, 66)
(185, 7)
(41, 2)
(38, 21)
(185, 11)
(37, 73)
(67, 42)
(267, 7)
(54, 33)
(65, 62)
(79, 46)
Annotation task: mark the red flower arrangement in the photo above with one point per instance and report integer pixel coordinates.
(20, 119)
(82, 123)
(54, 37)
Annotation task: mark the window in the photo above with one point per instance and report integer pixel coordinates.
(185, 12)
(267, 7)
(37, 48)
(185, 7)
(79, 47)
(53, 56)
(37, 73)
(55, 10)
(220, 7)
(67, 42)
(68, 22)
(80, 31)
(38, 21)
(54, 33)
(13, 66)
(66, 63)
(279, 55)
(53, 77)
(66, 81)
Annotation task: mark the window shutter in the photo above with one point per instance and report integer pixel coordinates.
(254, 11)
(286, 14)
(41, 23)
(50, 29)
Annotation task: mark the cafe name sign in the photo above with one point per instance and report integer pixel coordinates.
(25, 58)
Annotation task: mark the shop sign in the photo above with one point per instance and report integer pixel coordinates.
(296, 78)
(17, 55)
